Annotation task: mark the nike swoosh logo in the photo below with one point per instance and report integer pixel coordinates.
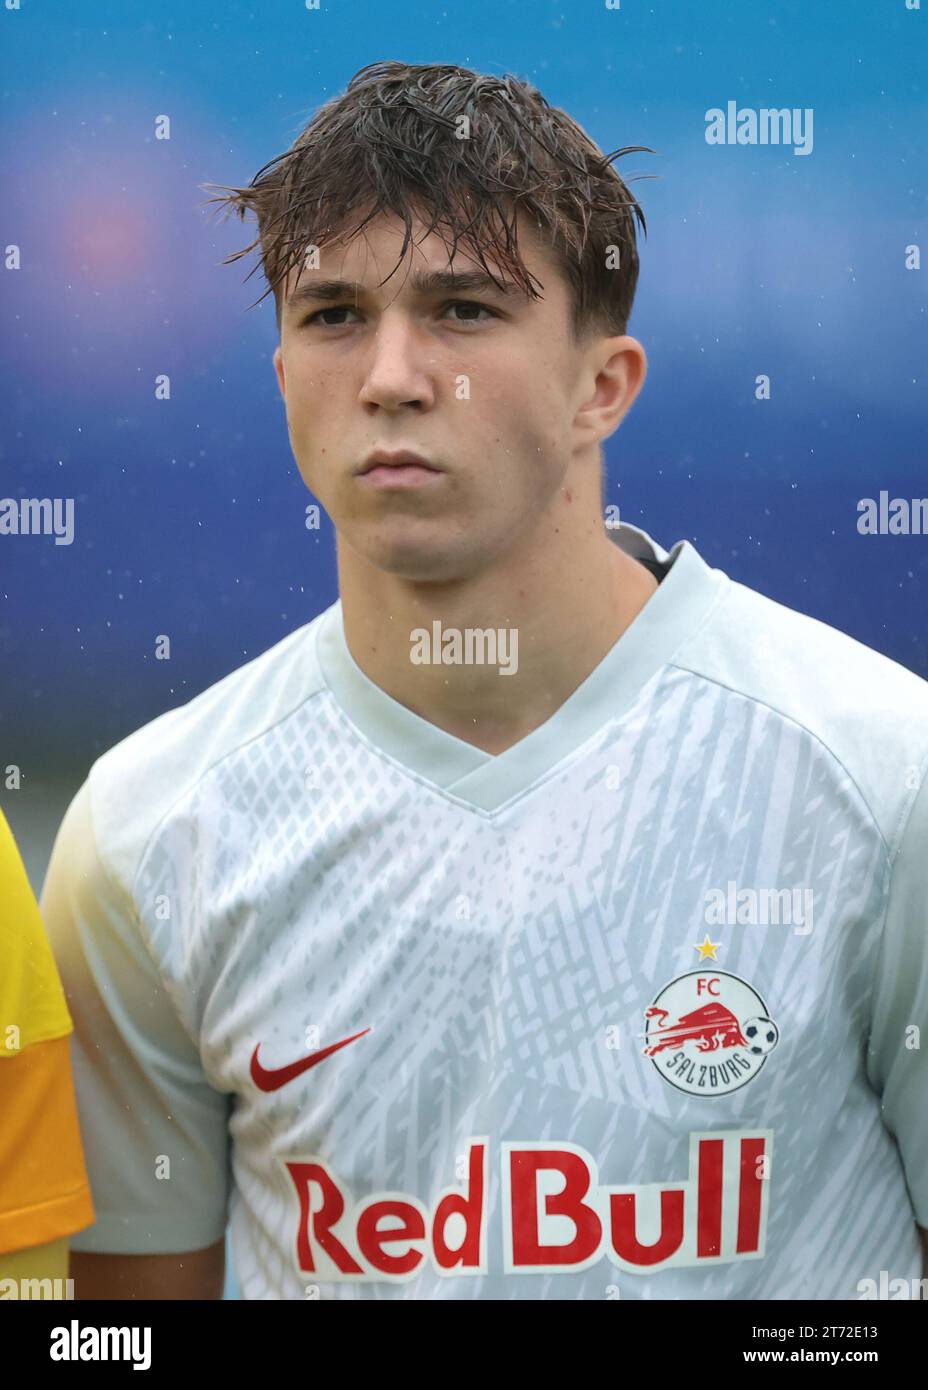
(272, 1078)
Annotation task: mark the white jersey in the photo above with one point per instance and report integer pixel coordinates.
(629, 1010)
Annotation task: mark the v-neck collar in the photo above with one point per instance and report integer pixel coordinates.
(488, 781)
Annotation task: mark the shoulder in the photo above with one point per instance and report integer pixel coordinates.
(869, 713)
(134, 784)
(32, 1002)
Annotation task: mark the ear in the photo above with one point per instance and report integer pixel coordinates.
(279, 369)
(619, 366)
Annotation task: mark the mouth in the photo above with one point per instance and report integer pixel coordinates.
(402, 469)
(399, 460)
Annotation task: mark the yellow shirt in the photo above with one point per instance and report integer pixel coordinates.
(44, 1190)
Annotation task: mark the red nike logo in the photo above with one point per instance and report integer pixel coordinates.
(272, 1078)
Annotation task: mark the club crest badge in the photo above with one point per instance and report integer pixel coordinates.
(709, 1033)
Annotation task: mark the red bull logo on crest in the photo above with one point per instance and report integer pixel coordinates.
(709, 1033)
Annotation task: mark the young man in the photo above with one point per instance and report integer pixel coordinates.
(546, 918)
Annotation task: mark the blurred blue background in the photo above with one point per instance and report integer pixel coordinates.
(189, 514)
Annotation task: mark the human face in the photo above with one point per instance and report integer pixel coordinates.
(483, 384)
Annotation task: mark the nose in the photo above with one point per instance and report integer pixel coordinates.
(396, 372)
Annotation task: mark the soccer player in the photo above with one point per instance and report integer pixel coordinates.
(44, 1191)
(546, 918)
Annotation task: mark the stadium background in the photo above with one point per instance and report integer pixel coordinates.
(189, 513)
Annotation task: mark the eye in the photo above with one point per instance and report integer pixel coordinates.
(471, 304)
(334, 309)
(349, 309)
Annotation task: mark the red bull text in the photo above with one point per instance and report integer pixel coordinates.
(556, 1215)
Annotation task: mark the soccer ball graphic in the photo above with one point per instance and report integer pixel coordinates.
(762, 1035)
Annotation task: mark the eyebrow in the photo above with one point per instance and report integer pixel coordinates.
(424, 284)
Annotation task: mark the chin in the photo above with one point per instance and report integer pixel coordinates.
(420, 564)
(420, 558)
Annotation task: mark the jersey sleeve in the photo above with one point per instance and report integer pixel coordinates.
(897, 1058)
(44, 1192)
(156, 1131)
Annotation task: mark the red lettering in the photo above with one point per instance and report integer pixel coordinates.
(625, 1240)
(709, 1197)
(524, 1167)
(709, 986)
(471, 1208)
(371, 1240)
(750, 1194)
(333, 1206)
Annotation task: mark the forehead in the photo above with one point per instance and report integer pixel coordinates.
(370, 256)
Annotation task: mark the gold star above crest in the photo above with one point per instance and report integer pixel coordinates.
(708, 948)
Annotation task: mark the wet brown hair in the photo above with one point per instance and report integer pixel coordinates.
(391, 142)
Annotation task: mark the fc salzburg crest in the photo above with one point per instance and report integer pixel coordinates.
(709, 1033)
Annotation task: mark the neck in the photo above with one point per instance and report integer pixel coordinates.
(566, 591)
